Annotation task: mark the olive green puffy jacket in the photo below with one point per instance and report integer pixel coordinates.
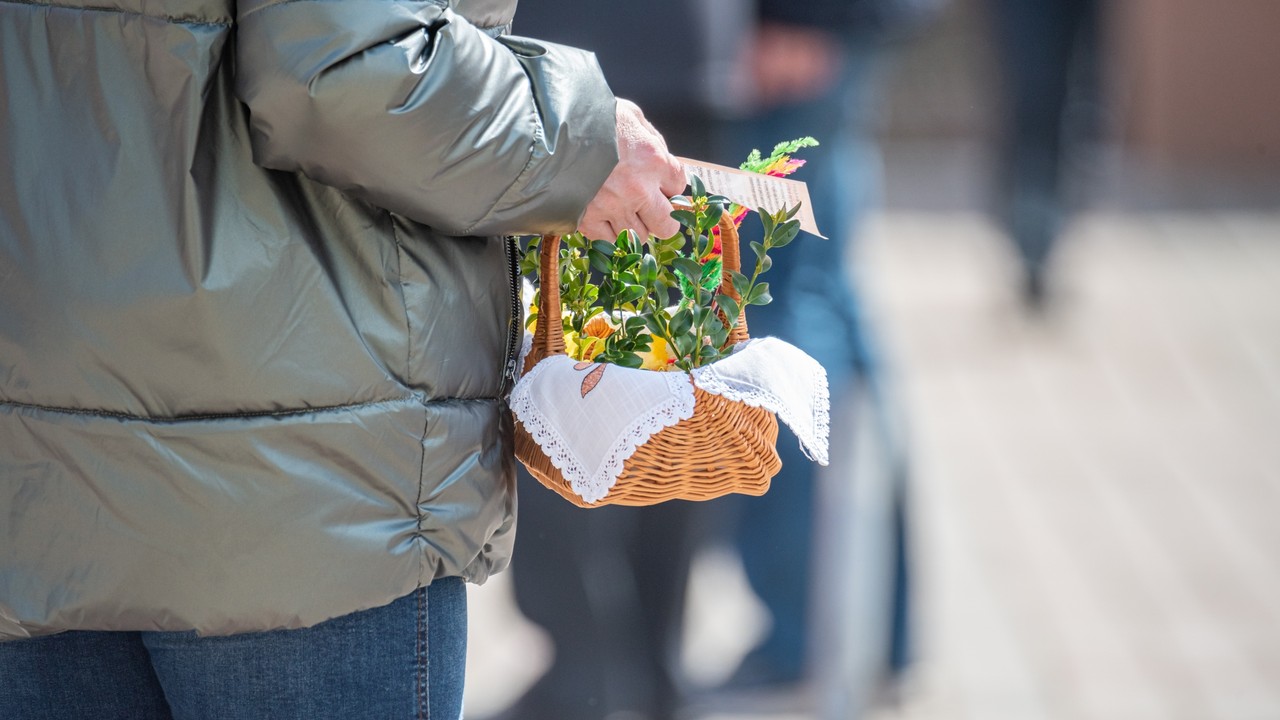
(257, 313)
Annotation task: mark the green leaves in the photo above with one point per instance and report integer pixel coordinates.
(648, 272)
(785, 233)
(658, 324)
(698, 190)
(791, 146)
(629, 294)
(686, 218)
(681, 322)
(529, 258)
(711, 218)
(712, 271)
(730, 307)
(599, 260)
(688, 267)
(759, 295)
(633, 282)
(757, 164)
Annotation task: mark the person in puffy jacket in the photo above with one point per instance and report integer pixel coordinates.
(258, 319)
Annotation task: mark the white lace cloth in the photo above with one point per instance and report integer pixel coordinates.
(776, 375)
(590, 417)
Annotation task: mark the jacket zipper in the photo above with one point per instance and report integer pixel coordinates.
(515, 326)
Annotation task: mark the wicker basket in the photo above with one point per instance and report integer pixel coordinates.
(726, 447)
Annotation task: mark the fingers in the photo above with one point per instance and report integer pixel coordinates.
(635, 195)
(674, 182)
(596, 229)
(656, 218)
(593, 231)
(652, 217)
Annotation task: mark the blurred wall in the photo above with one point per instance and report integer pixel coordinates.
(943, 82)
(1189, 113)
(1199, 82)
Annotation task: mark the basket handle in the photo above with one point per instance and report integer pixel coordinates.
(547, 343)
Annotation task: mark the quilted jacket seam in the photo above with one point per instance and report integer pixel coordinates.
(416, 400)
(121, 11)
(265, 6)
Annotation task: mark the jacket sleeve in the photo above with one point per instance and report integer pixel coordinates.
(410, 107)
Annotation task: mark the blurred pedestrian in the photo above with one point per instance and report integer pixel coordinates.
(816, 67)
(1047, 52)
(608, 584)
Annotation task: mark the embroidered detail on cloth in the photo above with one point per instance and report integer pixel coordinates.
(589, 420)
(589, 417)
(782, 378)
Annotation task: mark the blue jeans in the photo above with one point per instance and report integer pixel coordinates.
(399, 662)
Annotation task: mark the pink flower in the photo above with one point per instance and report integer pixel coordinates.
(783, 166)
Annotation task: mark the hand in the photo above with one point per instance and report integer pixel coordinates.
(636, 194)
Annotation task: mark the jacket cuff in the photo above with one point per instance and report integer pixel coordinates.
(575, 144)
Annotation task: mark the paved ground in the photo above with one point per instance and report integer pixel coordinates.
(1097, 495)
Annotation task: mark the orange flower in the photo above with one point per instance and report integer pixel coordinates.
(591, 343)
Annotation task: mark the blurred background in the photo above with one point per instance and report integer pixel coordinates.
(1057, 484)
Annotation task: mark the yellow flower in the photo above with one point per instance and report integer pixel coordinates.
(658, 357)
(591, 347)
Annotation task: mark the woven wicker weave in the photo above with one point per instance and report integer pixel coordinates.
(726, 447)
